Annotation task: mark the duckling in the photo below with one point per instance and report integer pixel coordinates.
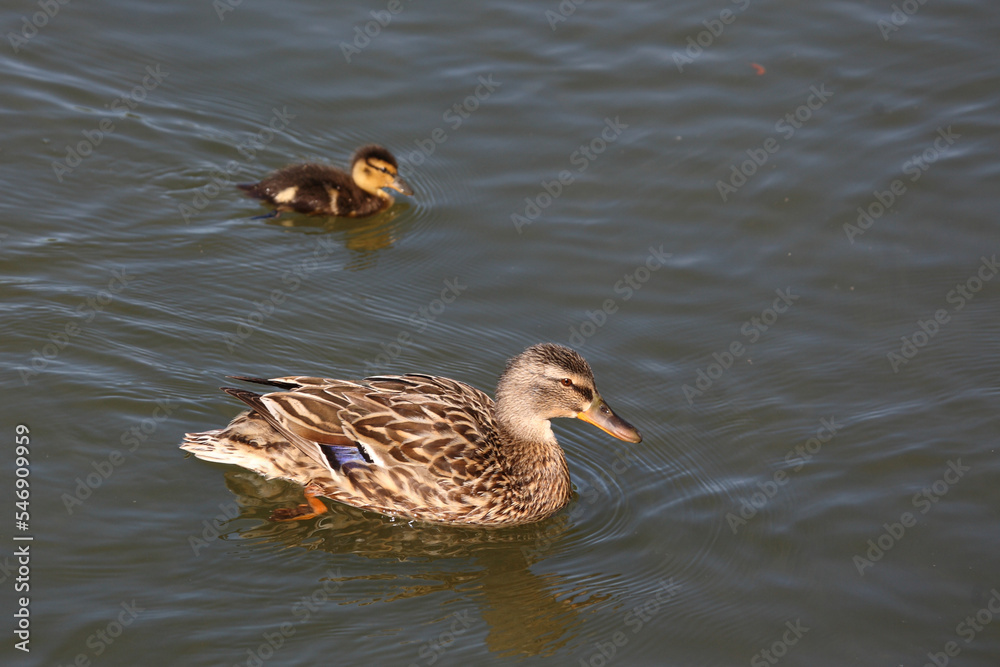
(317, 189)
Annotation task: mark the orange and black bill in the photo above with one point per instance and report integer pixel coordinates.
(604, 418)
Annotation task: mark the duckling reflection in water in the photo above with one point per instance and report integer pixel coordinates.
(318, 189)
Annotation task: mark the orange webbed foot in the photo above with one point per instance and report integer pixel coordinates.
(310, 509)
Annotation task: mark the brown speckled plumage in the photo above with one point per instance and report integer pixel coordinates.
(318, 189)
(419, 446)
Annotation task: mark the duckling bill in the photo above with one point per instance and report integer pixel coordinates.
(318, 189)
(419, 446)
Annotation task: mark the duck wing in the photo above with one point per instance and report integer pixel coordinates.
(440, 427)
(431, 430)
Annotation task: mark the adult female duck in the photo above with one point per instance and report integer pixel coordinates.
(420, 446)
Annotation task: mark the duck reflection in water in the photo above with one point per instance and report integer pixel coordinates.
(489, 568)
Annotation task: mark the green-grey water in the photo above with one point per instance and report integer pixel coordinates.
(769, 226)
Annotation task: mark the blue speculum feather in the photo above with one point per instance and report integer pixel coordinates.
(340, 455)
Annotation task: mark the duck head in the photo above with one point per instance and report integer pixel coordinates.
(374, 168)
(547, 381)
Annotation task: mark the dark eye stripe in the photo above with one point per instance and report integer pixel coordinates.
(585, 392)
(377, 168)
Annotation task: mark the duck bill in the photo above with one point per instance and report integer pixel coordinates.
(604, 418)
(399, 185)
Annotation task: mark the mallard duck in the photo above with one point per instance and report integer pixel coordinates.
(419, 446)
(318, 189)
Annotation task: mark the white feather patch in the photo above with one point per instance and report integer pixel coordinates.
(286, 195)
(370, 451)
(333, 193)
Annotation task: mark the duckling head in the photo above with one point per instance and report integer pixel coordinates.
(374, 168)
(547, 381)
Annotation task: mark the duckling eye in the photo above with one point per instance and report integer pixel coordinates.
(566, 382)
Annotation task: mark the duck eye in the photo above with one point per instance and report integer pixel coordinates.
(566, 382)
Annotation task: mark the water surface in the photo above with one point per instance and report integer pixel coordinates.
(817, 389)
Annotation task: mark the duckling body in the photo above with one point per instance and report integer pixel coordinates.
(317, 189)
(420, 446)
